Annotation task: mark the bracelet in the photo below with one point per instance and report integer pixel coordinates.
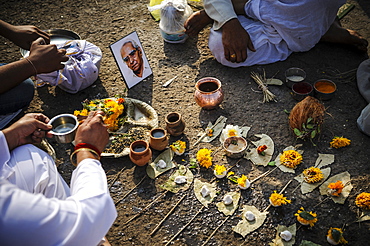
(34, 68)
(73, 157)
(89, 146)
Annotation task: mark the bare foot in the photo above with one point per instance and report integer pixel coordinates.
(338, 34)
(196, 22)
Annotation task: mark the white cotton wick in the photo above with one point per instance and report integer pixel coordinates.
(228, 200)
(250, 216)
(161, 164)
(205, 191)
(286, 235)
(180, 179)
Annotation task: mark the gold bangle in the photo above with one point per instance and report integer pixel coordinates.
(34, 68)
(74, 162)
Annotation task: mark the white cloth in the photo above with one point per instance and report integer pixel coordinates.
(80, 71)
(37, 207)
(276, 28)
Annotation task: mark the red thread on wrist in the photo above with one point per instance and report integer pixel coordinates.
(89, 146)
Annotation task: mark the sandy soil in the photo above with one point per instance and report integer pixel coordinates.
(103, 22)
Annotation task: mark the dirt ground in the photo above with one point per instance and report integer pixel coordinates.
(102, 22)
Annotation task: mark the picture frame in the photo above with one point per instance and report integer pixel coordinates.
(131, 60)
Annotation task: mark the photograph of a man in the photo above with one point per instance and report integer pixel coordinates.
(131, 59)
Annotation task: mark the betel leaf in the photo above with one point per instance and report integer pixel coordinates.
(336, 235)
(310, 126)
(313, 134)
(297, 132)
(306, 215)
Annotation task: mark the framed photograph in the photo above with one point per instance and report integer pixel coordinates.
(131, 59)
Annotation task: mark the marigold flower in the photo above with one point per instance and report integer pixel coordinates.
(339, 142)
(312, 175)
(220, 169)
(363, 200)
(290, 158)
(277, 199)
(210, 132)
(306, 217)
(242, 181)
(204, 158)
(120, 100)
(178, 147)
(261, 149)
(336, 236)
(336, 188)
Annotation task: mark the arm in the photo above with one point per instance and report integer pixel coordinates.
(235, 38)
(43, 59)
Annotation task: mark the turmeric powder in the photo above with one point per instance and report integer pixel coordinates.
(325, 87)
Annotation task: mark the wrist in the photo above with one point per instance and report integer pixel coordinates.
(83, 151)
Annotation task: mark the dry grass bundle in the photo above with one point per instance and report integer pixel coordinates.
(306, 117)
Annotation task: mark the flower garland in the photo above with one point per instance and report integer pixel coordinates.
(112, 107)
(204, 158)
(306, 217)
(291, 158)
(335, 236)
(277, 199)
(339, 142)
(336, 188)
(312, 175)
(363, 200)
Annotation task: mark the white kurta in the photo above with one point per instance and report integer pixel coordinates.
(276, 28)
(37, 207)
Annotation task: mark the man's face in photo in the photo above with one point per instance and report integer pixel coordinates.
(133, 58)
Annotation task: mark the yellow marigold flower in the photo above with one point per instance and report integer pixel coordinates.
(210, 132)
(336, 188)
(363, 200)
(290, 158)
(242, 180)
(336, 236)
(204, 158)
(312, 175)
(178, 146)
(220, 169)
(277, 199)
(339, 142)
(306, 217)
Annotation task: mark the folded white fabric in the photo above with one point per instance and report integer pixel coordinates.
(80, 71)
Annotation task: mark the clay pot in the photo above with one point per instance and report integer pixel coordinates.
(140, 153)
(208, 93)
(175, 125)
(158, 139)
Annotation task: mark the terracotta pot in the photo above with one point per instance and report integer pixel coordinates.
(158, 139)
(208, 93)
(140, 153)
(175, 125)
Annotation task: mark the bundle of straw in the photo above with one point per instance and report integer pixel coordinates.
(261, 82)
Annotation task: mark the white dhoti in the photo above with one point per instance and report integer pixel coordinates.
(276, 28)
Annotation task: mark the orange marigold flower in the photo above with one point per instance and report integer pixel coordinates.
(336, 188)
(363, 200)
(306, 217)
(261, 149)
(339, 142)
(312, 175)
(291, 158)
(120, 100)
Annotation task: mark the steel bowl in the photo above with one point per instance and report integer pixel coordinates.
(294, 75)
(235, 147)
(301, 90)
(64, 127)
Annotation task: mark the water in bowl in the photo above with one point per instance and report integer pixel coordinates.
(64, 128)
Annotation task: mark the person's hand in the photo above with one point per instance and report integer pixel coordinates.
(31, 128)
(23, 36)
(46, 58)
(93, 131)
(236, 41)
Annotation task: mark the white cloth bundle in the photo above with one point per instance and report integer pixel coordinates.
(80, 71)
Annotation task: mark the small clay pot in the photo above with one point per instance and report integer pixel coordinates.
(140, 153)
(175, 125)
(158, 139)
(208, 93)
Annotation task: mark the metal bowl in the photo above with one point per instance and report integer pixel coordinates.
(301, 90)
(64, 127)
(56, 36)
(235, 147)
(324, 89)
(294, 75)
